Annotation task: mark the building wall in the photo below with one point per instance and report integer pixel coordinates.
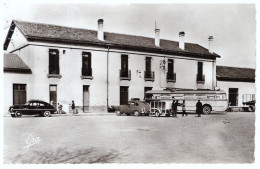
(14, 78)
(70, 85)
(186, 71)
(243, 88)
(17, 40)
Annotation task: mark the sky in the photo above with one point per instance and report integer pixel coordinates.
(233, 26)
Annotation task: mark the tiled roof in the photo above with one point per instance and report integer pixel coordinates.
(225, 73)
(47, 32)
(13, 63)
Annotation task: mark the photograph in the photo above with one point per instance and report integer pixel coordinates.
(135, 83)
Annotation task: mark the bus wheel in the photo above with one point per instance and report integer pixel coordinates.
(206, 109)
(251, 108)
(157, 113)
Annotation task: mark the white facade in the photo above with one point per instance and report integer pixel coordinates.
(104, 88)
(243, 88)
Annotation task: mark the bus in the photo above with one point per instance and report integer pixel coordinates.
(160, 100)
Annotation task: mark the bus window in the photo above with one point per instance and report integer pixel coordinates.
(218, 97)
(210, 97)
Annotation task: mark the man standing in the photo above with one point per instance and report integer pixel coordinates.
(199, 108)
(183, 105)
(175, 105)
(173, 102)
(73, 107)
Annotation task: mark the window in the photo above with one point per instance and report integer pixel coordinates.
(148, 64)
(171, 76)
(19, 94)
(200, 71)
(170, 66)
(86, 64)
(148, 74)
(54, 67)
(125, 74)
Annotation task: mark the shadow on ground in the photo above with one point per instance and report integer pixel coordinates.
(63, 156)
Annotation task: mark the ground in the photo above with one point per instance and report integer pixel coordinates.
(215, 138)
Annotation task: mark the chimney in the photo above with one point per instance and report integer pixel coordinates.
(181, 40)
(210, 44)
(157, 37)
(100, 29)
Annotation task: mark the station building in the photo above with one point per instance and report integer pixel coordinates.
(98, 69)
(238, 83)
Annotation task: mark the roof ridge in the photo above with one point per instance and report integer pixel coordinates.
(235, 67)
(104, 31)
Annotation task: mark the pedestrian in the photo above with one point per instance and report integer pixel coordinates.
(73, 107)
(172, 110)
(183, 105)
(199, 108)
(59, 108)
(175, 106)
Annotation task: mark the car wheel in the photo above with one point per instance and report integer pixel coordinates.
(157, 113)
(13, 115)
(136, 113)
(18, 114)
(206, 109)
(118, 113)
(251, 108)
(46, 114)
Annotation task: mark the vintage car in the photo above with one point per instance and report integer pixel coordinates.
(134, 107)
(32, 107)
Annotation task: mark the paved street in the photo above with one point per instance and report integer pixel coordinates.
(215, 138)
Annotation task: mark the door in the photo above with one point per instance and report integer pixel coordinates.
(233, 96)
(53, 95)
(123, 95)
(85, 98)
(19, 94)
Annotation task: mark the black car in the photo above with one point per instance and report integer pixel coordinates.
(32, 107)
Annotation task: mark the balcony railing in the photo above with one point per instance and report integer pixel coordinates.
(125, 74)
(171, 77)
(200, 79)
(86, 73)
(149, 76)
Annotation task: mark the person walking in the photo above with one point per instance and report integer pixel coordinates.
(73, 107)
(199, 108)
(175, 105)
(59, 108)
(183, 105)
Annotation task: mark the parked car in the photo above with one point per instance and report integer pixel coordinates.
(32, 107)
(134, 107)
(250, 105)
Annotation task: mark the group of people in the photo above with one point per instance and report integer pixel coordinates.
(175, 104)
(73, 107)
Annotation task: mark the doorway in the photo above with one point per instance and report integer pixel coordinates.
(19, 94)
(233, 96)
(123, 95)
(53, 95)
(85, 98)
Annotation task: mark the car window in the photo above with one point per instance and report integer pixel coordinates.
(131, 103)
(33, 104)
(41, 104)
